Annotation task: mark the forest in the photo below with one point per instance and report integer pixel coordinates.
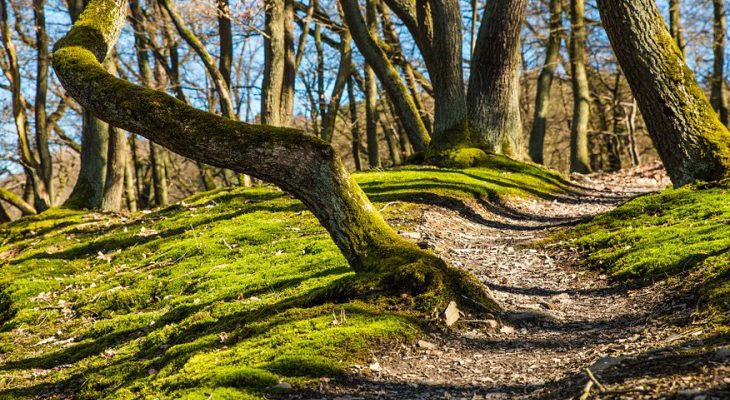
(364, 199)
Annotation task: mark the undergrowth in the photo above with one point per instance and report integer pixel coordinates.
(680, 233)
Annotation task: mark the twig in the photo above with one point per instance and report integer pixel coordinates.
(595, 381)
(586, 391)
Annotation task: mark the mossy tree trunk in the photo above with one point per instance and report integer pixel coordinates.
(719, 97)
(89, 187)
(494, 83)
(690, 139)
(579, 157)
(303, 165)
(545, 82)
(387, 74)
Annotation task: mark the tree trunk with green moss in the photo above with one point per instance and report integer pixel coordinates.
(494, 84)
(690, 139)
(387, 74)
(303, 165)
(579, 157)
(545, 82)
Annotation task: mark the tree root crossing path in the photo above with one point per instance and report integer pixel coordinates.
(573, 332)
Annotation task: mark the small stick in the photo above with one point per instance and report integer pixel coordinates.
(593, 378)
(586, 391)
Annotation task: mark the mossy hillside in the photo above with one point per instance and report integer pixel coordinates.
(676, 233)
(206, 297)
(495, 178)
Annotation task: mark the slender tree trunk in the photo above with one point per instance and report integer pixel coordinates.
(329, 118)
(387, 74)
(89, 188)
(226, 41)
(45, 169)
(444, 65)
(274, 63)
(371, 95)
(20, 118)
(545, 82)
(159, 174)
(355, 124)
(690, 139)
(303, 165)
(579, 158)
(494, 84)
(16, 201)
(115, 170)
(675, 24)
(719, 98)
(130, 192)
(215, 74)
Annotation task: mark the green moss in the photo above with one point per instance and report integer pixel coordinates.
(676, 233)
(215, 296)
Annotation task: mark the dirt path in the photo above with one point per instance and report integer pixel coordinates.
(629, 337)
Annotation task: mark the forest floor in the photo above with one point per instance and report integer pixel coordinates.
(206, 298)
(638, 341)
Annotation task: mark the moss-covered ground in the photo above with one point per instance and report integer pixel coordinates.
(682, 234)
(202, 300)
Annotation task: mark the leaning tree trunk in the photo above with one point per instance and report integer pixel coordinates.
(387, 74)
(579, 158)
(719, 98)
(494, 84)
(303, 165)
(545, 82)
(690, 139)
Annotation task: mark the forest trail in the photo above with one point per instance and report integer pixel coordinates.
(628, 336)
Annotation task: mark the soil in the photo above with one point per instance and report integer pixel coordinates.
(564, 318)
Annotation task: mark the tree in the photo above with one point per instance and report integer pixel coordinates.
(494, 83)
(387, 74)
(277, 93)
(719, 98)
(88, 190)
(304, 165)
(579, 158)
(545, 82)
(686, 131)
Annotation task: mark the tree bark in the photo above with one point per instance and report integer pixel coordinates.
(719, 97)
(579, 158)
(89, 187)
(494, 84)
(115, 170)
(690, 139)
(545, 82)
(303, 165)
